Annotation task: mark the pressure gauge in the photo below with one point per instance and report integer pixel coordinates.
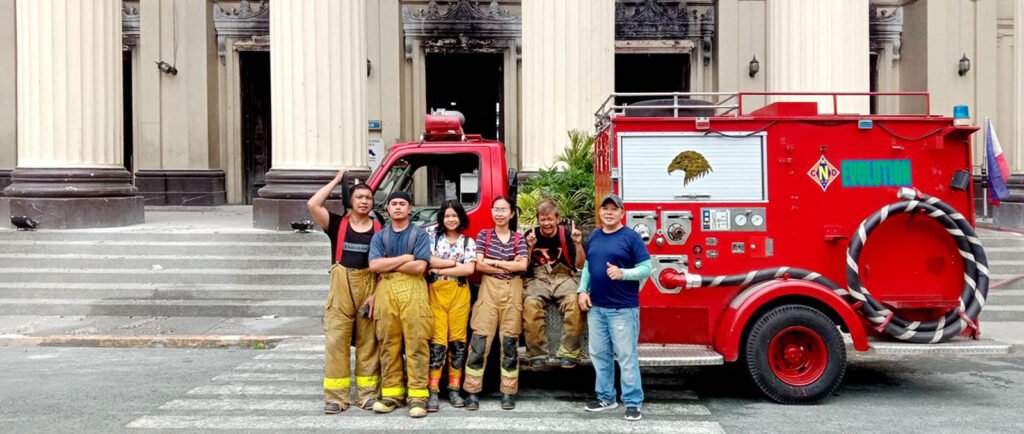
(757, 220)
(740, 220)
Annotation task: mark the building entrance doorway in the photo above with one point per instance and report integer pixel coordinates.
(655, 72)
(254, 80)
(472, 84)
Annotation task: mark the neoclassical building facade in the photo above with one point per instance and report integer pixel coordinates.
(107, 105)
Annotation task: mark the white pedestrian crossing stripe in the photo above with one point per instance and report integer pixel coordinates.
(290, 356)
(269, 376)
(281, 389)
(281, 366)
(453, 424)
(494, 405)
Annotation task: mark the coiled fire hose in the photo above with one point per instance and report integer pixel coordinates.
(956, 320)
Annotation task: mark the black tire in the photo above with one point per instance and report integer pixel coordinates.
(802, 321)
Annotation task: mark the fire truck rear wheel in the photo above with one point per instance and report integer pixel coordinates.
(795, 355)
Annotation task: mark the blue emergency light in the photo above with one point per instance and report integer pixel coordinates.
(961, 112)
(961, 115)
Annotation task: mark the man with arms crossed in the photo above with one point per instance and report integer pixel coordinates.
(400, 253)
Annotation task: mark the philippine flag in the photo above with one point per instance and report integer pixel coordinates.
(998, 168)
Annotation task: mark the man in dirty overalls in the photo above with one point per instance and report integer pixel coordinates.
(399, 253)
(556, 253)
(352, 286)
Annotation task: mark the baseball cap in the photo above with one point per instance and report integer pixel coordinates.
(613, 198)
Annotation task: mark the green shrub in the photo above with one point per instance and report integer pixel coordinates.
(569, 182)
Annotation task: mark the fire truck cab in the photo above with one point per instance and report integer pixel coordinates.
(445, 163)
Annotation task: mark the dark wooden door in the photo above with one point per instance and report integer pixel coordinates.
(254, 71)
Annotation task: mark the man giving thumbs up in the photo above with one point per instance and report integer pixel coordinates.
(617, 261)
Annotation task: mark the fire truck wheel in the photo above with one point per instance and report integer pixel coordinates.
(795, 355)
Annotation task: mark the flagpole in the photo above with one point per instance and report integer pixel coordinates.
(984, 170)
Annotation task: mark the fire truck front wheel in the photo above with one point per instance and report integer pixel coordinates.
(795, 355)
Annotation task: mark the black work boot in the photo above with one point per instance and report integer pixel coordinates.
(508, 402)
(455, 399)
(433, 405)
(472, 402)
(332, 408)
(568, 362)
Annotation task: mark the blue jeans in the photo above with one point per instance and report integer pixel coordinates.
(614, 334)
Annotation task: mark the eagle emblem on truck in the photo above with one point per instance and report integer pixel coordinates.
(693, 165)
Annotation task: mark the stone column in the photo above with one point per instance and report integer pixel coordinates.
(318, 115)
(568, 71)
(178, 159)
(1016, 146)
(69, 105)
(8, 94)
(1011, 212)
(818, 46)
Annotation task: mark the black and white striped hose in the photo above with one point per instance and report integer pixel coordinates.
(972, 297)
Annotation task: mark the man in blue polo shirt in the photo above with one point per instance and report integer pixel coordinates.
(617, 261)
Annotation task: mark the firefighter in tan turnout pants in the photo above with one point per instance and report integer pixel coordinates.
(400, 253)
(556, 252)
(352, 286)
(501, 256)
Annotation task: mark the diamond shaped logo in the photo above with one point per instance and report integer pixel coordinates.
(823, 173)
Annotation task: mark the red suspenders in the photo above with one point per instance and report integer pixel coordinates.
(342, 230)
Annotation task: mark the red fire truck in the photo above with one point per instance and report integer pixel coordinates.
(779, 236)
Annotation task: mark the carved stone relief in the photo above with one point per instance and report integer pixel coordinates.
(252, 24)
(461, 26)
(129, 26)
(661, 20)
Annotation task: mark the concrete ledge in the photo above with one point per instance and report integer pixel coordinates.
(1009, 215)
(5, 180)
(110, 341)
(182, 187)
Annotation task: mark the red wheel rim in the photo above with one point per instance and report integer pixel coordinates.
(797, 356)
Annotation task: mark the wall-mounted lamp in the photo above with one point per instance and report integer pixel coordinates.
(965, 65)
(166, 68)
(754, 66)
(367, 67)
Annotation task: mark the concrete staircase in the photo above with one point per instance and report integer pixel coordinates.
(1005, 252)
(243, 274)
(163, 274)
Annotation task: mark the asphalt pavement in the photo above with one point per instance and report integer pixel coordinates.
(48, 389)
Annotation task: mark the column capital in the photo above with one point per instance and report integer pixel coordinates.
(886, 28)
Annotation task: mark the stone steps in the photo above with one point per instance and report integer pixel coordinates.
(156, 291)
(141, 307)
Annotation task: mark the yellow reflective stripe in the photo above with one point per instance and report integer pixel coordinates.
(336, 383)
(393, 392)
(367, 381)
(419, 393)
(511, 374)
(470, 372)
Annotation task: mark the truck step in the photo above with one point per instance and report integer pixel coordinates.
(678, 355)
(648, 354)
(958, 346)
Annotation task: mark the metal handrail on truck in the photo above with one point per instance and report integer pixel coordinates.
(731, 103)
